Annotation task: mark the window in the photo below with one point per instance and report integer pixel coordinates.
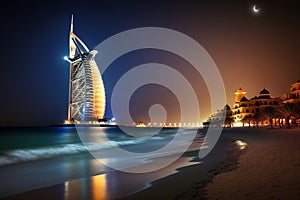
(247, 110)
(266, 103)
(257, 103)
(257, 109)
(239, 112)
(270, 103)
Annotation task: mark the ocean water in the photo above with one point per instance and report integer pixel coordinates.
(19, 145)
(32, 158)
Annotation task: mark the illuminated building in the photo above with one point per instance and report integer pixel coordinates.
(140, 124)
(244, 108)
(239, 94)
(86, 89)
(294, 95)
(263, 109)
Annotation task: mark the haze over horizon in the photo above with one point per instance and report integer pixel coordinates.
(251, 50)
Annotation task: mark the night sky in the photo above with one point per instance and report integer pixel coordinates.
(251, 50)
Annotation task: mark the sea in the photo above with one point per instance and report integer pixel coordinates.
(91, 162)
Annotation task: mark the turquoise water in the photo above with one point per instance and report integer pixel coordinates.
(19, 145)
(20, 138)
(32, 158)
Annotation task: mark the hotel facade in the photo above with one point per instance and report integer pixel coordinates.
(293, 96)
(246, 110)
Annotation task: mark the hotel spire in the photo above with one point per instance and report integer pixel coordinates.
(71, 28)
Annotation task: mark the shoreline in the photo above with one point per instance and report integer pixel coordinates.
(185, 186)
(190, 187)
(140, 179)
(204, 178)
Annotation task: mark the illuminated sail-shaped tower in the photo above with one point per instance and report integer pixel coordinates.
(86, 89)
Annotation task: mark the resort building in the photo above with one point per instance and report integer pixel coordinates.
(245, 108)
(222, 117)
(86, 89)
(293, 96)
(262, 109)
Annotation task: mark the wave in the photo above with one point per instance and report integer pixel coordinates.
(33, 154)
(16, 156)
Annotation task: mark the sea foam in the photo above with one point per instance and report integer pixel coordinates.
(33, 154)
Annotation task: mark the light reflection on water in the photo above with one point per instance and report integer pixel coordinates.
(99, 186)
(116, 184)
(79, 167)
(93, 188)
(242, 145)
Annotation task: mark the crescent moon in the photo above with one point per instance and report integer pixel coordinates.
(255, 9)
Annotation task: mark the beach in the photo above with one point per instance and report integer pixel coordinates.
(246, 163)
(268, 168)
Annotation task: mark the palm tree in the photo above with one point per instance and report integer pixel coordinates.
(257, 118)
(247, 119)
(289, 111)
(244, 120)
(269, 113)
(228, 121)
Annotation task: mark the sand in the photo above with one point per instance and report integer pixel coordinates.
(189, 181)
(267, 170)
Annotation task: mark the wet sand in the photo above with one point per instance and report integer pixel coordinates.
(189, 182)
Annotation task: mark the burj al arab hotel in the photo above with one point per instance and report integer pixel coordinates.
(86, 90)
